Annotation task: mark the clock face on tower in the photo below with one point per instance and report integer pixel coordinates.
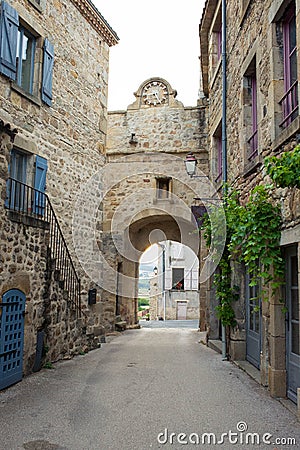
(155, 93)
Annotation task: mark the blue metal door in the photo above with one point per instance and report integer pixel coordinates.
(12, 308)
(293, 324)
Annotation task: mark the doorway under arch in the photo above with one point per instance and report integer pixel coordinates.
(144, 231)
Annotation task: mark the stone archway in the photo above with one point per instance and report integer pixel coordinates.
(148, 227)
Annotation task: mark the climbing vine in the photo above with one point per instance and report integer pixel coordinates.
(213, 226)
(285, 170)
(257, 237)
(253, 236)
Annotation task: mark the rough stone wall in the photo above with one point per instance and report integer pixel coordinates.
(25, 266)
(66, 334)
(163, 129)
(254, 32)
(154, 298)
(71, 135)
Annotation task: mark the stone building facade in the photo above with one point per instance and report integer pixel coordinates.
(262, 119)
(149, 194)
(53, 111)
(176, 292)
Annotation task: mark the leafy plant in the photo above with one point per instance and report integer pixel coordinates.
(48, 365)
(285, 169)
(256, 239)
(143, 302)
(213, 226)
(253, 236)
(225, 293)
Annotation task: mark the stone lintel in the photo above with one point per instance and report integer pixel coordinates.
(290, 236)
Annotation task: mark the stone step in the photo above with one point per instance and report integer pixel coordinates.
(121, 326)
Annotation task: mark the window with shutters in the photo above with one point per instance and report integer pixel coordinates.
(289, 101)
(26, 46)
(20, 163)
(285, 69)
(27, 183)
(22, 52)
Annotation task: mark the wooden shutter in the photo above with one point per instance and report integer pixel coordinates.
(168, 279)
(9, 24)
(40, 185)
(47, 73)
(195, 279)
(187, 279)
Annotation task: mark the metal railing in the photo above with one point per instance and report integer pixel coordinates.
(289, 105)
(30, 202)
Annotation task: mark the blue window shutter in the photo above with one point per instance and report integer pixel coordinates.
(9, 24)
(47, 73)
(40, 185)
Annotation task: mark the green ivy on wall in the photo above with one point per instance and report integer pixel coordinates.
(253, 234)
(285, 169)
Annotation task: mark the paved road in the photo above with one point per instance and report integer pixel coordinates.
(194, 324)
(120, 397)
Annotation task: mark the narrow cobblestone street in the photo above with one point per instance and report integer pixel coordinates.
(136, 386)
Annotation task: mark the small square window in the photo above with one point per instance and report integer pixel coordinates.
(163, 187)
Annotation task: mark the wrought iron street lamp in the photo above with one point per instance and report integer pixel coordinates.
(190, 164)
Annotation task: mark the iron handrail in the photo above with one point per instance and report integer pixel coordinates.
(25, 199)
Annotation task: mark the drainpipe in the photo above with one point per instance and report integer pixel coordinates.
(224, 134)
(164, 279)
(163, 247)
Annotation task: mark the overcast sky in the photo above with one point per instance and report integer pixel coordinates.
(157, 38)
